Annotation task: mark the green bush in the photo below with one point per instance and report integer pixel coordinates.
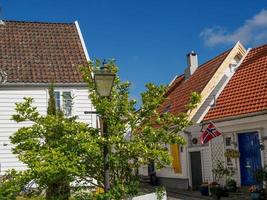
(82, 195)
(12, 184)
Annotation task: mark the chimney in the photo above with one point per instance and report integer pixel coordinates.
(192, 64)
(1, 21)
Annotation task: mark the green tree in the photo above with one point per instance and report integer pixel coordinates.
(51, 109)
(50, 147)
(59, 150)
(148, 127)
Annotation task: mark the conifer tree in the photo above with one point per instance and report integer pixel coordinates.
(51, 109)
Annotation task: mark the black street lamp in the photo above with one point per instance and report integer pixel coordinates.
(104, 80)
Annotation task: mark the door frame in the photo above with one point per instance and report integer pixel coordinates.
(194, 149)
(257, 131)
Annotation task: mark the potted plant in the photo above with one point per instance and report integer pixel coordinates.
(222, 172)
(232, 153)
(217, 191)
(204, 189)
(261, 176)
(256, 193)
(231, 185)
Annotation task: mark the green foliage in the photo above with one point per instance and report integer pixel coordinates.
(120, 191)
(261, 174)
(51, 109)
(82, 195)
(30, 198)
(58, 150)
(161, 191)
(12, 184)
(194, 100)
(220, 171)
(148, 127)
(50, 147)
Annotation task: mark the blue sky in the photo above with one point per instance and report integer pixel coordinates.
(150, 38)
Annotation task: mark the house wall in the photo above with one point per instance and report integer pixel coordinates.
(232, 128)
(10, 95)
(169, 178)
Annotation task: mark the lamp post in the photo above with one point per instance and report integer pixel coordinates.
(104, 80)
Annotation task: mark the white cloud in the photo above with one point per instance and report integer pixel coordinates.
(253, 31)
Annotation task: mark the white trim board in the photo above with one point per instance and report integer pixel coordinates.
(224, 85)
(82, 41)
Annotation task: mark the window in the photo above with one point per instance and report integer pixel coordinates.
(228, 141)
(67, 103)
(229, 161)
(57, 98)
(214, 100)
(64, 102)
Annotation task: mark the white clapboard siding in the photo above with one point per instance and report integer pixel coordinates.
(10, 96)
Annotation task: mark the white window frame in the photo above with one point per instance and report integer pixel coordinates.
(61, 101)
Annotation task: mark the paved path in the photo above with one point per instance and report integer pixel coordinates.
(195, 195)
(183, 196)
(176, 194)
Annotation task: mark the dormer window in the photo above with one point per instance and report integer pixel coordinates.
(213, 100)
(234, 63)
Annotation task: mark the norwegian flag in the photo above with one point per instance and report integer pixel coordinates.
(210, 133)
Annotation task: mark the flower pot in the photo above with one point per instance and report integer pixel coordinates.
(231, 188)
(204, 190)
(218, 192)
(255, 195)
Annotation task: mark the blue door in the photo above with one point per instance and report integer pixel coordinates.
(250, 157)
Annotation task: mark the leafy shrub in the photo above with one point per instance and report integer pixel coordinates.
(12, 184)
(82, 195)
(261, 174)
(220, 171)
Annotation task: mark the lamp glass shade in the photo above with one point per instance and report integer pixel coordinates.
(104, 82)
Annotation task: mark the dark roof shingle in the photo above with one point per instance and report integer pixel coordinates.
(35, 52)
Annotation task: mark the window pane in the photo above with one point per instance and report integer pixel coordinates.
(57, 98)
(228, 141)
(67, 103)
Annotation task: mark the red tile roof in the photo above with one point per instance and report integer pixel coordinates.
(179, 91)
(34, 52)
(246, 92)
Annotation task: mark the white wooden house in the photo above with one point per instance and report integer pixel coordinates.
(32, 55)
(240, 114)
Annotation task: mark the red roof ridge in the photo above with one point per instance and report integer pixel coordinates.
(214, 58)
(258, 47)
(37, 22)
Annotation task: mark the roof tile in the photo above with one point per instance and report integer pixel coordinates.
(246, 92)
(35, 52)
(180, 90)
